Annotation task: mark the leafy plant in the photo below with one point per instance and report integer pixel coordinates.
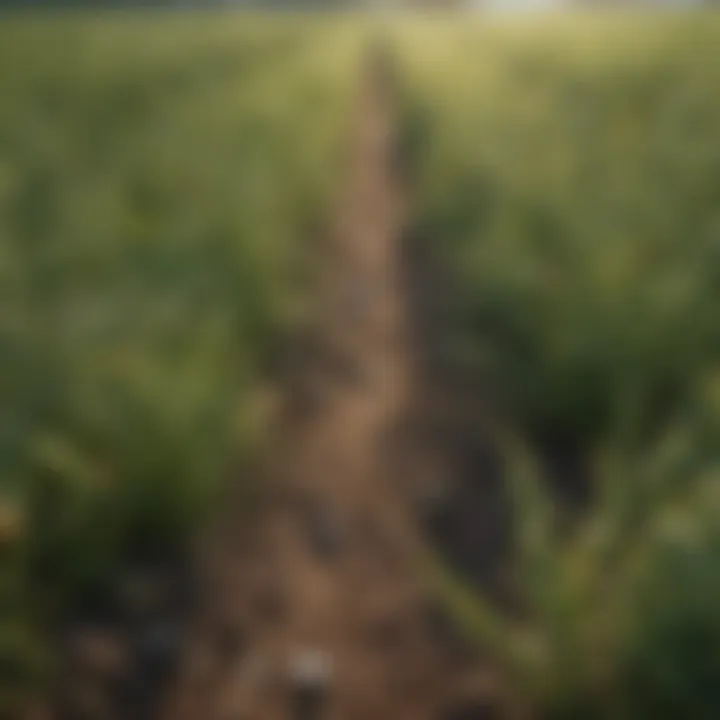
(620, 616)
(159, 181)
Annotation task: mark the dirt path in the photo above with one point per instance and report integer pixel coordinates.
(320, 583)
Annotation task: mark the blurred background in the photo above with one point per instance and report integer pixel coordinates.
(167, 184)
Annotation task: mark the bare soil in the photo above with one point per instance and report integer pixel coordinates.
(313, 607)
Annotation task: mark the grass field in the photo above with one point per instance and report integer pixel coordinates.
(567, 176)
(571, 174)
(160, 180)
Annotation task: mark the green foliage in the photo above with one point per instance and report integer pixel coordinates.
(625, 610)
(159, 178)
(620, 617)
(570, 176)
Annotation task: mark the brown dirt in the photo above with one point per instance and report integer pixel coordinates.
(328, 560)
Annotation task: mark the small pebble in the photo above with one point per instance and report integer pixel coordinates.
(310, 675)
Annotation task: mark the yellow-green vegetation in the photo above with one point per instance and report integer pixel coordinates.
(567, 175)
(620, 618)
(570, 174)
(160, 179)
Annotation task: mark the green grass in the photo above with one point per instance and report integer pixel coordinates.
(567, 176)
(570, 174)
(160, 180)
